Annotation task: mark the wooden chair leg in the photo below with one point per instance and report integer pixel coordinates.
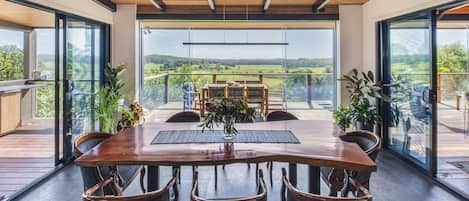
(142, 179)
(179, 173)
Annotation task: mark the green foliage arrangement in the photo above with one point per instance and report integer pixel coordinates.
(342, 117)
(108, 98)
(362, 88)
(227, 111)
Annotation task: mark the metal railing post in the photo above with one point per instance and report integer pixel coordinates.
(438, 88)
(308, 87)
(166, 88)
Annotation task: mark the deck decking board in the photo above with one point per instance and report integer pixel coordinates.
(25, 156)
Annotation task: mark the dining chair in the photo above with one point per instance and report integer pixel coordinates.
(334, 177)
(216, 92)
(260, 196)
(290, 193)
(280, 116)
(197, 98)
(187, 116)
(93, 175)
(256, 95)
(169, 192)
(236, 92)
(183, 117)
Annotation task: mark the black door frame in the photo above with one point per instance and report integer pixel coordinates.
(104, 58)
(385, 77)
(383, 62)
(105, 53)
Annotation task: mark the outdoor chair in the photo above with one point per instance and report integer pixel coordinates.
(236, 92)
(256, 95)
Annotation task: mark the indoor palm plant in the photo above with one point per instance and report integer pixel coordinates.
(109, 97)
(227, 111)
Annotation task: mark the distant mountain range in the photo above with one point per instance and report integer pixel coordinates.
(173, 60)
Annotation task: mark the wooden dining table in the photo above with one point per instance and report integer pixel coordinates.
(319, 146)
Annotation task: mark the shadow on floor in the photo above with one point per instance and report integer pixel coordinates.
(394, 181)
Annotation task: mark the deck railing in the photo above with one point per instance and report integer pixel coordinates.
(297, 87)
(451, 87)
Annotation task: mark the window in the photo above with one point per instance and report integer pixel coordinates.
(296, 63)
(11, 55)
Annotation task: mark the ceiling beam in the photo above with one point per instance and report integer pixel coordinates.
(211, 4)
(319, 5)
(108, 4)
(159, 4)
(266, 5)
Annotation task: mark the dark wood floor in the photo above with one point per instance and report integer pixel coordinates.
(394, 181)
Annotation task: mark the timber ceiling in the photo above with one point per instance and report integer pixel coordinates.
(239, 6)
(25, 16)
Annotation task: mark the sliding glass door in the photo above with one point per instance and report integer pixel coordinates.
(409, 73)
(82, 61)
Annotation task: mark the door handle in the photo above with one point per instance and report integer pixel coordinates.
(69, 132)
(69, 84)
(432, 96)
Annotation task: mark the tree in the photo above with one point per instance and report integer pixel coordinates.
(452, 58)
(11, 62)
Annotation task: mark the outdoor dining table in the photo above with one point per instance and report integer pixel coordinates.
(311, 142)
(207, 86)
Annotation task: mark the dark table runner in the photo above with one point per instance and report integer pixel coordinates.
(216, 136)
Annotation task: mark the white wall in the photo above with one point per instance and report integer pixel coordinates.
(124, 46)
(84, 8)
(351, 31)
(377, 10)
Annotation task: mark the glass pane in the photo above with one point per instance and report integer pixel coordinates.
(284, 59)
(80, 64)
(11, 54)
(410, 126)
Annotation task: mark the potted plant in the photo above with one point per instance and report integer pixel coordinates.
(362, 89)
(342, 117)
(227, 111)
(364, 115)
(109, 98)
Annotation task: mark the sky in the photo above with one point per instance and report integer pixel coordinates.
(301, 43)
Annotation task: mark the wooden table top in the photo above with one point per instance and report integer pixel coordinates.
(319, 146)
